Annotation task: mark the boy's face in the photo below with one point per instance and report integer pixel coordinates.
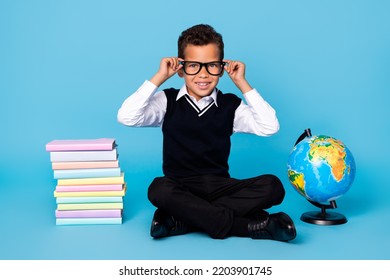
(201, 84)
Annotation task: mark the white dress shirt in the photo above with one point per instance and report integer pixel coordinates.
(147, 107)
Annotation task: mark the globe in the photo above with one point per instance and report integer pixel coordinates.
(322, 169)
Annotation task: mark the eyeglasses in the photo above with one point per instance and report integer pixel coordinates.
(214, 68)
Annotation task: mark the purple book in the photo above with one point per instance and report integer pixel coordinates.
(101, 144)
(111, 213)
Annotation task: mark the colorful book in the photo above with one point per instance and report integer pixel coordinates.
(100, 144)
(84, 164)
(90, 206)
(88, 199)
(89, 188)
(88, 221)
(83, 155)
(99, 213)
(96, 193)
(92, 181)
(87, 173)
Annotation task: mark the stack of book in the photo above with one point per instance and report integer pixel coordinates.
(90, 185)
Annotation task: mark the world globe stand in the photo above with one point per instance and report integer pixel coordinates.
(322, 217)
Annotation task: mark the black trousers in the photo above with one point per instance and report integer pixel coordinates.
(212, 203)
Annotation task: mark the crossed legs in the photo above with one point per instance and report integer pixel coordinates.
(219, 206)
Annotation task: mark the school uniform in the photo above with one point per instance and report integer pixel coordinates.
(196, 187)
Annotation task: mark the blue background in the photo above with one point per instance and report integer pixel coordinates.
(67, 66)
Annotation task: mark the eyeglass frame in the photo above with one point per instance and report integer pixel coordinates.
(205, 65)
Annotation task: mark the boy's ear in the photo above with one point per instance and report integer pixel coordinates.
(180, 72)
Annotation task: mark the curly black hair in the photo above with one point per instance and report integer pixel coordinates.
(200, 35)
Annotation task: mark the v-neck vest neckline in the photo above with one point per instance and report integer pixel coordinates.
(197, 109)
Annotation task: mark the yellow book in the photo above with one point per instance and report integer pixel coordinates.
(90, 206)
(91, 194)
(92, 181)
(62, 165)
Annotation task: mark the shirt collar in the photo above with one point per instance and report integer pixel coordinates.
(183, 91)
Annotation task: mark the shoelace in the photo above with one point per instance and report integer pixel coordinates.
(257, 228)
(178, 225)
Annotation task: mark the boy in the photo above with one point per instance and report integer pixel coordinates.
(196, 191)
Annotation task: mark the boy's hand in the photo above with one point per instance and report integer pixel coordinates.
(236, 72)
(168, 67)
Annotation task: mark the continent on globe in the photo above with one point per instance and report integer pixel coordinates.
(298, 180)
(330, 150)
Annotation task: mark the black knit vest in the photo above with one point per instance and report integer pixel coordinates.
(195, 143)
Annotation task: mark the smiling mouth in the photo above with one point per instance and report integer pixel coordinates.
(203, 84)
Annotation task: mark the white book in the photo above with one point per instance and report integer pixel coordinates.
(89, 199)
(83, 155)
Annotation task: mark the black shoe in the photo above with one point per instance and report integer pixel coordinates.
(277, 226)
(164, 225)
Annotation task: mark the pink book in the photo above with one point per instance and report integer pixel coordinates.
(101, 144)
(59, 165)
(100, 213)
(89, 188)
